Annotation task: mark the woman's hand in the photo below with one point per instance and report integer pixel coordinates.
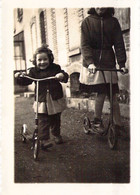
(124, 70)
(59, 76)
(92, 68)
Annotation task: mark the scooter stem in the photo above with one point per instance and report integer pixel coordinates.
(111, 98)
(37, 88)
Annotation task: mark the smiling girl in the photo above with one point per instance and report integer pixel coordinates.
(44, 67)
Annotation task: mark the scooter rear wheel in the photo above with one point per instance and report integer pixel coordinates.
(36, 147)
(87, 125)
(23, 139)
(112, 137)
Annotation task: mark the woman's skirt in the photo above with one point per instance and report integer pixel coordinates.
(99, 88)
(98, 82)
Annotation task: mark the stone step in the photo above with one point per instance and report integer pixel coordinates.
(89, 105)
(28, 94)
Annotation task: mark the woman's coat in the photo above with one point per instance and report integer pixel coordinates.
(101, 44)
(99, 35)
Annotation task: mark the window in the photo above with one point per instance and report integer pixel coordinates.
(42, 28)
(123, 15)
(19, 52)
(33, 34)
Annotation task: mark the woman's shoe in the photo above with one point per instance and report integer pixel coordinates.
(98, 126)
(46, 144)
(58, 139)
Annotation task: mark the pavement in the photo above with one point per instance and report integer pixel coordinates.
(81, 158)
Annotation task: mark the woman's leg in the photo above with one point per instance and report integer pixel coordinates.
(99, 103)
(116, 111)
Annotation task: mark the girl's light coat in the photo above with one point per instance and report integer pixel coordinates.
(50, 106)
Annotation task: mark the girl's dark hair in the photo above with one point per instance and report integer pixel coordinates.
(109, 12)
(43, 49)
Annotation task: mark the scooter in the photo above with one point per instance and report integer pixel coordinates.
(24, 132)
(110, 131)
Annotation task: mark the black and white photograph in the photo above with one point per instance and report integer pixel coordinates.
(89, 140)
(72, 93)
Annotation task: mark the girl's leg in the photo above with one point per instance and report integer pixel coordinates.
(43, 131)
(55, 128)
(55, 124)
(43, 126)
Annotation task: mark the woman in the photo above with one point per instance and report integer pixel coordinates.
(101, 45)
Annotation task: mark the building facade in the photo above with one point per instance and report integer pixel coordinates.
(60, 29)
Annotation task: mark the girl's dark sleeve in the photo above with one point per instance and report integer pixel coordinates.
(86, 49)
(119, 44)
(66, 76)
(25, 81)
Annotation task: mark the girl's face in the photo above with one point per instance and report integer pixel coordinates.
(42, 61)
(100, 10)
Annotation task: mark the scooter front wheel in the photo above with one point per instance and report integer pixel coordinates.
(87, 125)
(36, 147)
(112, 137)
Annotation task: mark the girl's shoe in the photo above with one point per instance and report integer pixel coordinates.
(46, 144)
(58, 139)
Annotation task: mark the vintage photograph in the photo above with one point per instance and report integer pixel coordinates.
(72, 95)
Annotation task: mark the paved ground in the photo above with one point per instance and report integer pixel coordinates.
(81, 159)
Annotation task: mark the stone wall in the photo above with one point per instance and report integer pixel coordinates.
(89, 105)
(62, 29)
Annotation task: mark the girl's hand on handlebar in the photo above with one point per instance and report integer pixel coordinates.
(19, 74)
(124, 70)
(59, 76)
(92, 68)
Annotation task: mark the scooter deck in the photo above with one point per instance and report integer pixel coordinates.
(94, 130)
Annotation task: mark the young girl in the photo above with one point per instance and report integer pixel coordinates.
(100, 33)
(44, 67)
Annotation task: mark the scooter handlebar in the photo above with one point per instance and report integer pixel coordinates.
(34, 79)
(111, 70)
